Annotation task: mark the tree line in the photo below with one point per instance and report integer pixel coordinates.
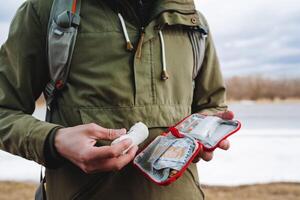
(257, 87)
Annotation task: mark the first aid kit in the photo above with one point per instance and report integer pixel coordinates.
(166, 158)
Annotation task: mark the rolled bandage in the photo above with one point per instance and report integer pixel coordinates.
(138, 133)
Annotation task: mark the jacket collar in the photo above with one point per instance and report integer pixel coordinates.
(175, 12)
(128, 9)
(181, 6)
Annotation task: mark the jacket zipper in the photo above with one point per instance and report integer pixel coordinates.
(142, 30)
(140, 44)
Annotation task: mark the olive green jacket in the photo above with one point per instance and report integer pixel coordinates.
(107, 84)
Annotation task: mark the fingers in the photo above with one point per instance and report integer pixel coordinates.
(227, 115)
(111, 134)
(225, 145)
(197, 159)
(104, 152)
(110, 164)
(105, 158)
(104, 133)
(120, 147)
(117, 164)
(207, 156)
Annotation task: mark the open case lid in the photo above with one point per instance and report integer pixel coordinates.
(208, 130)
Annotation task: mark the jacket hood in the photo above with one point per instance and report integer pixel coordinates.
(183, 6)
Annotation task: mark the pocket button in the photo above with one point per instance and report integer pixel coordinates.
(194, 20)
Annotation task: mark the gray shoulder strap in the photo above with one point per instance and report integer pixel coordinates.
(198, 39)
(62, 32)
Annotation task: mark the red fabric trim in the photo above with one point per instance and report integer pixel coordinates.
(228, 115)
(59, 84)
(179, 174)
(200, 147)
(225, 137)
(74, 6)
(175, 132)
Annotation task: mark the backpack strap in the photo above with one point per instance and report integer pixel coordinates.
(198, 37)
(63, 26)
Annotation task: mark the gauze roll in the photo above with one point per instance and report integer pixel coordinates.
(138, 133)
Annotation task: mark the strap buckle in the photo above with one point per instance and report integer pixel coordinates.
(50, 89)
(67, 19)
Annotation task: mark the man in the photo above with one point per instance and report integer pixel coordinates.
(133, 61)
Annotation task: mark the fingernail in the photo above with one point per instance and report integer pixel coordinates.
(135, 148)
(228, 115)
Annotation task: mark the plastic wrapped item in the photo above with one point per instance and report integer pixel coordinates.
(209, 130)
(138, 133)
(167, 157)
(164, 154)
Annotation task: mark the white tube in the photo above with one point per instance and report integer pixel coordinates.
(138, 133)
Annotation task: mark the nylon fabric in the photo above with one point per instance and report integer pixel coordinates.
(106, 85)
(59, 49)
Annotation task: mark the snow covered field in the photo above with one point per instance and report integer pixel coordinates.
(265, 150)
(256, 156)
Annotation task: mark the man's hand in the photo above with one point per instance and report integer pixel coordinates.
(224, 145)
(77, 144)
(208, 156)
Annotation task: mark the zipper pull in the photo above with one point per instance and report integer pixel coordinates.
(140, 44)
(164, 75)
(129, 46)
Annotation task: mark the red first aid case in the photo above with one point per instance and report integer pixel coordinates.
(166, 158)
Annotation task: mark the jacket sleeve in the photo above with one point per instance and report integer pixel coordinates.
(209, 92)
(23, 76)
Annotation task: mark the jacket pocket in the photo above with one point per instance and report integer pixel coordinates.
(192, 171)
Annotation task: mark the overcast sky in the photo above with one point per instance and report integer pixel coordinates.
(251, 36)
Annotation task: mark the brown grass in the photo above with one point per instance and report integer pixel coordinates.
(40, 101)
(16, 191)
(274, 191)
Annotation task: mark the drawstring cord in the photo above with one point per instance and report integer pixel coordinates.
(129, 45)
(164, 73)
